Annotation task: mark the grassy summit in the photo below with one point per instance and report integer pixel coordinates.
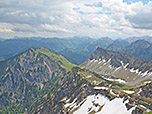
(60, 59)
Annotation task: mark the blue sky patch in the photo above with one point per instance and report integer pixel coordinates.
(95, 4)
(75, 9)
(109, 13)
(133, 1)
(84, 13)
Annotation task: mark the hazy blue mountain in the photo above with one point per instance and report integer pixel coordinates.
(77, 49)
(114, 47)
(11, 47)
(2, 39)
(133, 39)
(121, 42)
(83, 50)
(30, 38)
(141, 49)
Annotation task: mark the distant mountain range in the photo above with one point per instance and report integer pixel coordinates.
(133, 39)
(77, 49)
(2, 39)
(141, 49)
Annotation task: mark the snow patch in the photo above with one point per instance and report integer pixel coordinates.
(109, 60)
(96, 82)
(96, 61)
(147, 82)
(126, 65)
(129, 92)
(99, 62)
(140, 90)
(117, 68)
(89, 104)
(145, 73)
(113, 93)
(92, 60)
(122, 63)
(110, 66)
(150, 73)
(103, 60)
(117, 80)
(105, 63)
(115, 106)
(132, 70)
(89, 76)
(148, 110)
(71, 104)
(103, 88)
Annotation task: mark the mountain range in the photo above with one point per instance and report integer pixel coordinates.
(116, 65)
(78, 49)
(42, 81)
(23, 77)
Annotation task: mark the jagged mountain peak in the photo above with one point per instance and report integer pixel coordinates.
(106, 38)
(101, 53)
(140, 44)
(140, 48)
(30, 70)
(119, 65)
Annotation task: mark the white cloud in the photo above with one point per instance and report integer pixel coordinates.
(6, 28)
(61, 18)
(53, 28)
(142, 16)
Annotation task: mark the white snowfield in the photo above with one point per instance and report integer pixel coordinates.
(101, 105)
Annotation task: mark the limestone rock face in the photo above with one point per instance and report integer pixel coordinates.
(116, 65)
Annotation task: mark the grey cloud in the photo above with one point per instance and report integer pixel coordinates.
(141, 21)
(31, 12)
(23, 17)
(64, 20)
(142, 17)
(23, 30)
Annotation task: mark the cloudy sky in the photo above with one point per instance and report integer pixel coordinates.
(66, 18)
